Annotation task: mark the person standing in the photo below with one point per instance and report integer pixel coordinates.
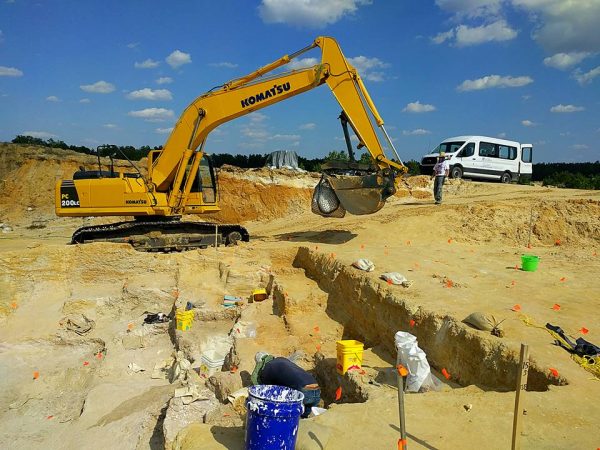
(440, 171)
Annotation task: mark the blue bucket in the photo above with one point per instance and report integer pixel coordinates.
(272, 418)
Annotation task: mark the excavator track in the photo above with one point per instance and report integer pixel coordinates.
(163, 236)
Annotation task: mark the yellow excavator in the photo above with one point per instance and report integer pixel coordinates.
(181, 178)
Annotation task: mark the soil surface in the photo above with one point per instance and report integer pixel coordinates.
(73, 341)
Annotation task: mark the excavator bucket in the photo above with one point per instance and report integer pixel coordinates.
(361, 194)
(353, 190)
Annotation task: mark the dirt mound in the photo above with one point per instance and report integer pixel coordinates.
(558, 222)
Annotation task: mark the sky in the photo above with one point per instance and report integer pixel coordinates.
(121, 72)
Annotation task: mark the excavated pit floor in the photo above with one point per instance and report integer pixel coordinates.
(61, 389)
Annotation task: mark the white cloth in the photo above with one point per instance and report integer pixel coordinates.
(441, 168)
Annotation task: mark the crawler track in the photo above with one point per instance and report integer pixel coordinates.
(166, 236)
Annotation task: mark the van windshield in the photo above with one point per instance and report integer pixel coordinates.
(448, 147)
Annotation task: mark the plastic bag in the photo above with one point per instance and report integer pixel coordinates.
(364, 264)
(396, 278)
(419, 377)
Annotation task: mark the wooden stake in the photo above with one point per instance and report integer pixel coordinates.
(520, 393)
(530, 226)
(402, 443)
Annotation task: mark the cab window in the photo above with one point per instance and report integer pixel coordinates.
(527, 154)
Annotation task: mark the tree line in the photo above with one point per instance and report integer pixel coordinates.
(566, 175)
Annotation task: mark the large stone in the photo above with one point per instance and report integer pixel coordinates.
(223, 384)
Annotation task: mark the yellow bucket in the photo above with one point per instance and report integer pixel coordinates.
(184, 319)
(258, 295)
(349, 355)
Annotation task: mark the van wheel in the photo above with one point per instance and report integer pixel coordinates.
(457, 172)
(506, 178)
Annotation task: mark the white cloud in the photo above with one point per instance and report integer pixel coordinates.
(99, 87)
(587, 77)
(464, 35)
(163, 130)
(254, 133)
(225, 64)
(150, 94)
(498, 31)
(502, 135)
(178, 59)
(10, 72)
(443, 37)
(580, 147)
(564, 25)
(85, 100)
(494, 81)
(133, 44)
(527, 123)
(39, 134)
(566, 108)
(302, 63)
(417, 132)
(285, 137)
(109, 125)
(563, 61)
(526, 97)
(308, 126)
(418, 107)
(369, 68)
(470, 8)
(1, 37)
(257, 117)
(147, 64)
(52, 98)
(308, 13)
(152, 114)
(164, 80)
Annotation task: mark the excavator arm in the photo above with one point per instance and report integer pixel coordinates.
(257, 91)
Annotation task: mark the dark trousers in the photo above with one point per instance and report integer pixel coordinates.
(437, 188)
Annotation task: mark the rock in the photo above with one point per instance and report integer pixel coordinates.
(6, 229)
(179, 415)
(223, 384)
(468, 407)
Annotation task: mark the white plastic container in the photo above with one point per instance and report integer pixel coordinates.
(211, 362)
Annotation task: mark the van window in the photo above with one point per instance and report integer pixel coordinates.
(468, 150)
(448, 147)
(486, 149)
(527, 154)
(506, 152)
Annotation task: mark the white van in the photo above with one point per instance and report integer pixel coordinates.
(483, 157)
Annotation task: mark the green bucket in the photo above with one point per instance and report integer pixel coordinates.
(529, 263)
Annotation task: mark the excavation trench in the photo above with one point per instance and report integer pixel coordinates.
(372, 312)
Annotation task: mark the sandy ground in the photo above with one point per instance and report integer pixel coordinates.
(64, 390)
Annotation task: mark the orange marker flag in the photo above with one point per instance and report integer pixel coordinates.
(36, 375)
(389, 282)
(49, 417)
(13, 305)
(362, 246)
(563, 279)
(449, 283)
(332, 255)
(584, 330)
(516, 308)
(130, 326)
(318, 347)
(412, 323)
(317, 329)
(402, 371)
(516, 267)
(99, 355)
(408, 242)
(554, 372)
(86, 363)
(450, 241)
(557, 242)
(528, 245)
(556, 307)
(446, 374)
(401, 444)
(595, 254)
(338, 393)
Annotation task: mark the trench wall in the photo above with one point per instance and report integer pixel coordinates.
(373, 313)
